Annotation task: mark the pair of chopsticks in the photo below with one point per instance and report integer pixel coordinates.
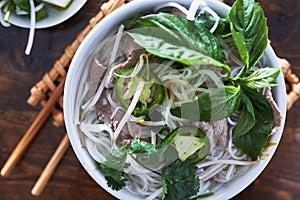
(27, 138)
(41, 118)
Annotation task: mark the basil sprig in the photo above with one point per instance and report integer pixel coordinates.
(251, 140)
(177, 38)
(190, 42)
(249, 31)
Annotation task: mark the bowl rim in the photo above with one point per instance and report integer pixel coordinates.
(86, 48)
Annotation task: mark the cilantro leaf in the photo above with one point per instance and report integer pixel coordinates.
(138, 146)
(180, 181)
(152, 157)
(114, 178)
(113, 169)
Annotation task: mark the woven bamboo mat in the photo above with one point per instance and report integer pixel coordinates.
(41, 91)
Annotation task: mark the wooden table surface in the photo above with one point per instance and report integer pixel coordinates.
(18, 73)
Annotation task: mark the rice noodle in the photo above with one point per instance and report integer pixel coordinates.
(171, 4)
(31, 29)
(194, 8)
(129, 110)
(225, 161)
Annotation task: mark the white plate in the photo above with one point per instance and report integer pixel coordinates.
(54, 16)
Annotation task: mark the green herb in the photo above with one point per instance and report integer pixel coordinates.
(246, 120)
(252, 142)
(41, 14)
(180, 181)
(113, 168)
(152, 157)
(23, 5)
(218, 104)
(249, 31)
(176, 38)
(138, 146)
(264, 77)
(208, 21)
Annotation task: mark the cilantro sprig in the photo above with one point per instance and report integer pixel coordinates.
(113, 168)
(179, 180)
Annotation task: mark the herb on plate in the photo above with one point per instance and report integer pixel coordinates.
(34, 9)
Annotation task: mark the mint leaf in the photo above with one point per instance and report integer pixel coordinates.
(113, 169)
(180, 181)
(246, 120)
(252, 142)
(218, 104)
(264, 77)
(248, 20)
(176, 38)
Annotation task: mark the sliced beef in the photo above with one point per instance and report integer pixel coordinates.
(276, 111)
(217, 132)
(96, 75)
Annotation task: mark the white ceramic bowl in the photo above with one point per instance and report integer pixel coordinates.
(78, 66)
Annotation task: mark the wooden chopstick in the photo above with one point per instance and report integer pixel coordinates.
(32, 131)
(50, 167)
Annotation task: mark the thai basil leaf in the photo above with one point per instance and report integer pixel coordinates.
(208, 21)
(252, 142)
(249, 21)
(246, 120)
(218, 104)
(264, 77)
(241, 45)
(175, 37)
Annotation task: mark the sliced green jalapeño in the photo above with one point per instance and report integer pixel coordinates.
(190, 142)
(153, 92)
